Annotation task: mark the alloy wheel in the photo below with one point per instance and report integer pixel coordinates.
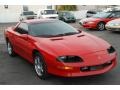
(101, 26)
(38, 66)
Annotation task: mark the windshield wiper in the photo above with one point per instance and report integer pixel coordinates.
(58, 35)
(71, 33)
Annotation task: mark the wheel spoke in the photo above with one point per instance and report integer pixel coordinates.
(101, 26)
(9, 48)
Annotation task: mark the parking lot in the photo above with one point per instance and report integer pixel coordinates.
(18, 71)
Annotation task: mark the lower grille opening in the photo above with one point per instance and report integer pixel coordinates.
(96, 67)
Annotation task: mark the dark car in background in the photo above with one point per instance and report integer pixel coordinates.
(25, 15)
(66, 16)
(90, 13)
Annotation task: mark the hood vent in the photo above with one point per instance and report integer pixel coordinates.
(54, 39)
(80, 35)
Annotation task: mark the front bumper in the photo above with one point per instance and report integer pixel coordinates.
(70, 20)
(76, 70)
(89, 25)
(113, 29)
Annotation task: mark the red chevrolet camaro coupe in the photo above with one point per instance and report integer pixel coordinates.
(99, 20)
(54, 47)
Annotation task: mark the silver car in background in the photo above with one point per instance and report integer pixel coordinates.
(113, 25)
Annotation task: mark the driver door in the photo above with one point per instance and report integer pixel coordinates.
(21, 42)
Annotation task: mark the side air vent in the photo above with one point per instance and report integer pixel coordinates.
(57, 39)
(80, 35)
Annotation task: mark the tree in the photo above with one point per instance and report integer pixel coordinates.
(66, 7)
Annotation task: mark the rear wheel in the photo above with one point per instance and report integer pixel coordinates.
(10, 49)
(101, 26)
(40, 66)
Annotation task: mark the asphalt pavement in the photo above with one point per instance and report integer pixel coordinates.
(17, 71)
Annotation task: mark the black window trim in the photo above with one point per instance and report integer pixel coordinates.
(22, 28)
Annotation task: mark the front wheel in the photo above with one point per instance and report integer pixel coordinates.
(10, 49)
(40, 66)
(101, 26)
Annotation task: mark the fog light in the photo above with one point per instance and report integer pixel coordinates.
(84, 68)
(66, 68)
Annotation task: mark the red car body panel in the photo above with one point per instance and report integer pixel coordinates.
(91, 49)
(88, 25)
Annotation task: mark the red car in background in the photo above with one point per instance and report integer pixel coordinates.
(54, 47)
(99, 20)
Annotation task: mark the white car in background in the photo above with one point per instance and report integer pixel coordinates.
(25, 15)
(47, 13)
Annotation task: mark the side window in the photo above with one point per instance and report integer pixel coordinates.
(22, 28)
(117, 15)
(91, 12)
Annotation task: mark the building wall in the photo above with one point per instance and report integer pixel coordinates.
(12, 13)
(90, 7)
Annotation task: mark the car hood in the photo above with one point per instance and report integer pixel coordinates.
(89, 19)
(114, 21)
(78, 44)
(50, 15)
(30, 16)
(69, 16)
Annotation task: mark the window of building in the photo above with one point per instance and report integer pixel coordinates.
(6, 6)
(49, 6)
(25, 8)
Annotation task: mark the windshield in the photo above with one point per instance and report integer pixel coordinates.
(50, 12)
(51, 29)
(28, 13)
(101, 15)
(67, 14)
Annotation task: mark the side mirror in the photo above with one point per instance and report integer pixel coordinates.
(79, 30)
(24, 36)
(111, 17)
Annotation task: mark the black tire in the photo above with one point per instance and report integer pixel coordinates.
(74, 21)
(40, 66)
(10, 49)
(21, 19)
(63, 20)
(101, 26)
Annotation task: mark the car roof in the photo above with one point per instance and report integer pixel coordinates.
(45, 9)
(32, 21)
(114, 11)
(27, 11)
